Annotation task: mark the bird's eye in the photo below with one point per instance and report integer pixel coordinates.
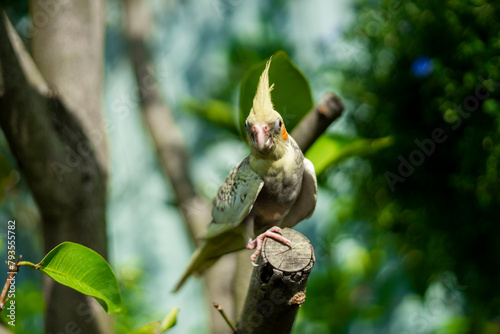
(277, 125)
(246, 124)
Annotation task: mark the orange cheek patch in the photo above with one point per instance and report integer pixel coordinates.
(284, 134)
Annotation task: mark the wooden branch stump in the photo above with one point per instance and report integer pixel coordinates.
(278, 285)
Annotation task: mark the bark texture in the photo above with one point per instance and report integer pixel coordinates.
(278, 285)
(315, 123)
(52, 119)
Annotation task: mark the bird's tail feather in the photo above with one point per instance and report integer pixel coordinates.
(197, 264)
(206, 255)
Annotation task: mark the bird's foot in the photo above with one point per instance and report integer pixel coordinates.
(257, 242)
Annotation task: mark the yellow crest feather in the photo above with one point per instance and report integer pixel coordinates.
(262, 104)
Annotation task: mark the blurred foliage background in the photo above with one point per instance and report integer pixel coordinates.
(406, 236)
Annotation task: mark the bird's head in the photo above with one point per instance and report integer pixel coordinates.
(264, 125)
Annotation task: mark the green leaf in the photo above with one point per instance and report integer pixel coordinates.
(150, 328)
(84, 270)
(331, 149)
(291, 95)
(157, 327)
(170, 320)
(218, 112)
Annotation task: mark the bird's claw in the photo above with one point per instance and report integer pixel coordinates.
(257, 242)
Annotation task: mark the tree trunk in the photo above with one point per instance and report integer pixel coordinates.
(53, 121)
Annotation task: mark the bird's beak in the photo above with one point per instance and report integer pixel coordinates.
(261, 136)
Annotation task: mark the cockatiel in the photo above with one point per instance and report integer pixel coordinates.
(273, 187)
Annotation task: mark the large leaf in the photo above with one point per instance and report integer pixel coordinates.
(85, 271)
(291, 95)
(331, 149)
(157, 327)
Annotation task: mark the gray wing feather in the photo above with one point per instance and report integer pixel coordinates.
(235, 199)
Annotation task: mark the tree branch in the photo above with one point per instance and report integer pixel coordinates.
(315, 123)
(225, 317)
(13, 270)
(278, 285)
(167, 138)
(172, 154)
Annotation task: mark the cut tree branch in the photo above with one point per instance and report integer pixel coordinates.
(315, 123)
(278, 285)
